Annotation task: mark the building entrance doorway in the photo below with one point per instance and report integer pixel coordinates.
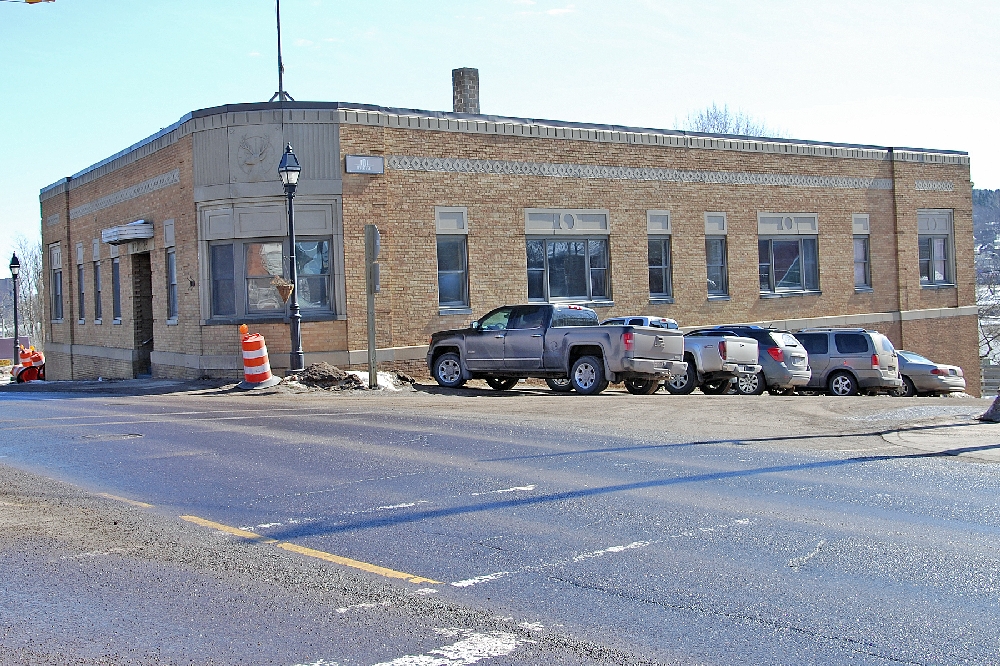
(142, 313)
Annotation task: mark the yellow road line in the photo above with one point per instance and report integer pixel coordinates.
(347, 562)
(126, 500)
(319, 554)
(226, 528)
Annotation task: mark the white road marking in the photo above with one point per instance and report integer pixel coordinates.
(472, 648)
(404, 505)
(424, 591)
(320, 662)
(799, 561)
(95, 553)
(366, 605)
(516, 489)
(470, 582)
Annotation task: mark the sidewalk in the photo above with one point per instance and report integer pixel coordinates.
(963, 438)
(146, 386)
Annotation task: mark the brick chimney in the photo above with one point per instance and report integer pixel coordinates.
(465, 89)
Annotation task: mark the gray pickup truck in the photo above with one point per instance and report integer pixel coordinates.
(563, 344)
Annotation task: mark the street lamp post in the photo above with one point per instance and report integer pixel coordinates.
(288, 170)
(15, 269)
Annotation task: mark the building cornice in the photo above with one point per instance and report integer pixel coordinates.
(442, 121)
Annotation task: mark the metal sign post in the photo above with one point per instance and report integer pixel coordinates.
(373, 245)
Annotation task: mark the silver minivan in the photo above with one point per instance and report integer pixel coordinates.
(845, 361)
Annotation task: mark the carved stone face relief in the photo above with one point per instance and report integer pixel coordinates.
(254, 151)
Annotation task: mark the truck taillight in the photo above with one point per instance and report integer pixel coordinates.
(628, 339)
(722, 349)
(874, 361)
(777, 354)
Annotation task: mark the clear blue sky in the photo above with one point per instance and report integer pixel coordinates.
(83, 79)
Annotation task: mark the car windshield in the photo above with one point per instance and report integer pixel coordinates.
(915, 358)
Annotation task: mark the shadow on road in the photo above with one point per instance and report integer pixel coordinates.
(322, 528)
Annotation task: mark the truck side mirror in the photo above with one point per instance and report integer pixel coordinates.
(474, 325)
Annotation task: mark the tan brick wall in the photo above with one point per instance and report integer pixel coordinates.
(402, 204)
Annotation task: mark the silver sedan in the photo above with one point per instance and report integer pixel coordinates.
(921, 375)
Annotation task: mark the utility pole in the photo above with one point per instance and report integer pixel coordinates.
(373, 245)
(281, 95)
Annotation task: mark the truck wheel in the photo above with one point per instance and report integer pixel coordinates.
(717, 387)
(751, 384)
(841, 384)
(642, 386)
(501, 383)
(682, 384)
(448, 370)
(587, 376)
(560, 385)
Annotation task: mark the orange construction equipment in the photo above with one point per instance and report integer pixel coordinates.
(31, 368)
(256, 367)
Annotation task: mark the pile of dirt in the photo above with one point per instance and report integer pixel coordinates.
(324, 375)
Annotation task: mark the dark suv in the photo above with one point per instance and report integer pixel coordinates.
(784, 363)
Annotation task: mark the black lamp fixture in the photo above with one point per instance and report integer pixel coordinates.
(288, 170)
(15, 269)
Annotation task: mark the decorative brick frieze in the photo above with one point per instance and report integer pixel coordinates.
(934, 185)
(509, 168)
(145, 187)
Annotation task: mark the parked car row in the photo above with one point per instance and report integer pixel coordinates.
(568, 347)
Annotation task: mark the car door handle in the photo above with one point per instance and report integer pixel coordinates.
(498, 336)
(536, 335)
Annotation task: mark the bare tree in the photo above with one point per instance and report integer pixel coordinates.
(720, 120)
(986, 230)
(30, 310)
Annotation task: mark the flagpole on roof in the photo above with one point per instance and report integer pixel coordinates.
(281, 95)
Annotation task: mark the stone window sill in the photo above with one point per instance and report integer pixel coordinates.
(789, 294)
(718, 297)
(943, 285)
(864, 290)
(256, 319)
(457, 310)
(661, 300)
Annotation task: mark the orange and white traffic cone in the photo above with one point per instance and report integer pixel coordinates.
(31, 368)
(256, 366)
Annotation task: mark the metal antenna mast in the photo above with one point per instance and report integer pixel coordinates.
(281, 95)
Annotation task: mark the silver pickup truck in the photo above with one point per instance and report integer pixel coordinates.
(563, 344)
(715, 359)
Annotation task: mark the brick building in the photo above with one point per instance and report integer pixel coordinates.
(156, 254)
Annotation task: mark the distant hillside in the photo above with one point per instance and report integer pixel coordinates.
(986, 217)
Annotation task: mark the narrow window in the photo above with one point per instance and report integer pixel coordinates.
(116, 290)
(312, 266)
(716, 261)
(82, 292)
(453, 271)
(171, 285)
(659, 259)
(862, 264)
(452, 227)
(98, 309)
(57, 294)
(263, 263)
(223, 280)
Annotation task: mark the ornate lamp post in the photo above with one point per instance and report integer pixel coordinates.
(289, 170)
(15, 268)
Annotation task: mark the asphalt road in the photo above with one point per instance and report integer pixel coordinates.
(437, 527)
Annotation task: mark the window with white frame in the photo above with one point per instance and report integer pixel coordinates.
(55, 266)
(567, 254)
(98, 309)
(862, 253)
(171, 266)
(717, 254)
(658, 253)
(452, 229)
(788, 253)
(116, 291)
(936, 243)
